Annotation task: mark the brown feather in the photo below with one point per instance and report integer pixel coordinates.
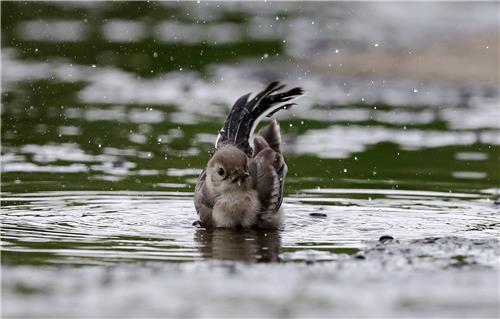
(271, 134)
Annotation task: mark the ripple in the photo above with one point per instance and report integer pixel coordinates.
(397, 192)
(83, 227)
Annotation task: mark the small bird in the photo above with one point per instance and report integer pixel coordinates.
(242, 185)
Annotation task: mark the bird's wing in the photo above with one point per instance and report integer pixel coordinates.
(271, 138)
(203, 201)
(269, 170)
(246, 114)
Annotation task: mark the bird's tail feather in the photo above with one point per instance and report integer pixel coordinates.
(241, 122)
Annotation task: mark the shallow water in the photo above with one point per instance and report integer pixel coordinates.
(393, 188)
(106, 227)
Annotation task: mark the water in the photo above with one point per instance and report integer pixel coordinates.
(393, 188)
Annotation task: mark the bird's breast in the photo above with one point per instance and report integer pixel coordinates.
(237, 208)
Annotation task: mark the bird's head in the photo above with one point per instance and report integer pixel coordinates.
(227, 170)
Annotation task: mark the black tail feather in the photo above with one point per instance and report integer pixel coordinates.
(283, 107)
(236, 112)
(245, 114)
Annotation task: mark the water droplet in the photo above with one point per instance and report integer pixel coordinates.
(290, 125)
(376, 45)
(336, 51)
(415, 91)
(93, 65)
(345, 170)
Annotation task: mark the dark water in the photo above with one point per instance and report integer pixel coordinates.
(109, 111)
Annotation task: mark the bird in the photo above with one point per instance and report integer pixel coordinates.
(242, 184)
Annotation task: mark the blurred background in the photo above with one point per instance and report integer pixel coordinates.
(130, 95)
(109, 110)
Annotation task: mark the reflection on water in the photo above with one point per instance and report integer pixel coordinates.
(239, 245)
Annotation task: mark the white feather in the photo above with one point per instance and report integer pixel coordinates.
(217, 140)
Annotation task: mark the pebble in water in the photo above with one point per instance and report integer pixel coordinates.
(323, 215)
(385, 239)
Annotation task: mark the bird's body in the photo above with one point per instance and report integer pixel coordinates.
(238, 208)
(243, 186)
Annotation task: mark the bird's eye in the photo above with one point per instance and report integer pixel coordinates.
(220, 171)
